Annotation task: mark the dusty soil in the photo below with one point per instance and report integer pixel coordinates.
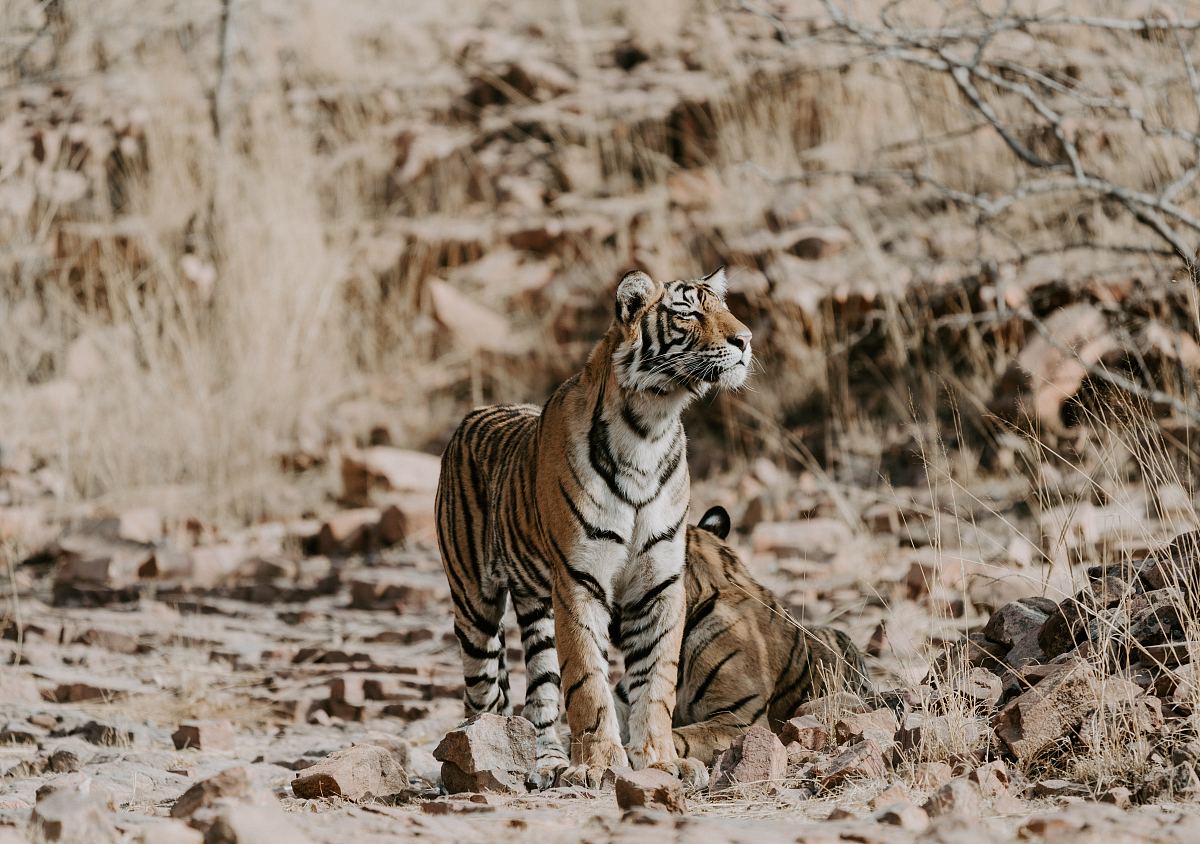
(308, 654)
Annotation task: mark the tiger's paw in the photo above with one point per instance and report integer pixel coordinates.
(692, 772)
(595, 758)
(549, 770)
(586, 776)
(652, 755)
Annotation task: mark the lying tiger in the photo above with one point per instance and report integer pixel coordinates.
(744, 660)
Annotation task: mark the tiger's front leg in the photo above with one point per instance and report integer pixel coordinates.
(652, 618)
(581, 617)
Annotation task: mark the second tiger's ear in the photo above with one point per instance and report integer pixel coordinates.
(716, 521)
(633, 294)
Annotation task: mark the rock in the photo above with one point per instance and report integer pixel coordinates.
(141, 524)
(1119, 796)
(90, 560)
(356, 773)
(204, 735)
(960, 797)
(487, 753)
(651, 789)
(756, 757)
(349, 532)
(253, 824)
(894, 793)
(1043, 714)
(1175, 565)
(905, 815)
(879, 725)
(1066, 626)
(68, 755)
(929, 776)
(937, 735)
(168, 832)
(978, 686)
(1156, 618)
(992, 778)
(860, 761)
(1017, 625)
(232, 784)
(1060, 788)
(105, 735)
(1018, 619)
(389, 470)
(807, 731)
(71, 816)
(382, 588)
(212, 565)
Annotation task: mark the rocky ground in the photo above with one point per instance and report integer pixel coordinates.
(161, 686)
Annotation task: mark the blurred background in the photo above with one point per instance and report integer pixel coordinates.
(246, 249)
(257, 259)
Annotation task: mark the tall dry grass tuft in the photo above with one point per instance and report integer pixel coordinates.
(190, 371)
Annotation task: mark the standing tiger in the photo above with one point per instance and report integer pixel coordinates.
(744, 660)
(577, 510)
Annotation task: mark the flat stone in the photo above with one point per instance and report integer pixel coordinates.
(362, 771)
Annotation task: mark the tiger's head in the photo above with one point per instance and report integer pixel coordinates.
(678, 336)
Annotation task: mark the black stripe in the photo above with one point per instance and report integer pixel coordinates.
(666, 536)
(699, 612)
(665, 475)
(526, 620)
(574, 688)
(635, 655)
(738, 704)
(599, 454)
(470, 648)
(535, 648)
(631, 419)
(593, 532)
(588, 582)
(643, 603)
(548, 677)
(714, 637)
(712, 674)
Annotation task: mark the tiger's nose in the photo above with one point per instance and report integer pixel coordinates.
(741, 340)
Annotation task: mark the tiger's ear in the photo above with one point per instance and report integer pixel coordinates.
(717, 281)
(715, 521)
(633, 293)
